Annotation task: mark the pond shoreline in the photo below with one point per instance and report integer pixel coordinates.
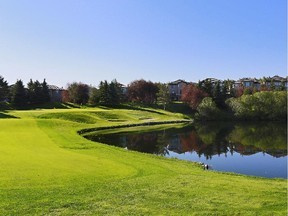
(88, 130)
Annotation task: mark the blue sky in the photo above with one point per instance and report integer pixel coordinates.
(158, 40)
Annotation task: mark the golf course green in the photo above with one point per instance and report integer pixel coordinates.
(47, 168)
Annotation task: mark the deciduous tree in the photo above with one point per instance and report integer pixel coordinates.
(143, 91)
(192, 95)
(78, 93)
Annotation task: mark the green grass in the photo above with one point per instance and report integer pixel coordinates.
(46, 168)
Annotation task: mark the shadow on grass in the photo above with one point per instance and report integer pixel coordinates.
(140, 107)
(6, 116)
(54, 105)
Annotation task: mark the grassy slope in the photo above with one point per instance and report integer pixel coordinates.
(46, 168)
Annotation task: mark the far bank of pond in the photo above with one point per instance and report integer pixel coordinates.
(258, 149)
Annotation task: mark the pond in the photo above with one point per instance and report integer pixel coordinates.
(251, 149)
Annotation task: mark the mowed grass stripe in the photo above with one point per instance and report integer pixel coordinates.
(29, 154)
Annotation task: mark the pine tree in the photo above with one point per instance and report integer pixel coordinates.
(217, 96)
(104, 93)
(114, 96)
(19, 98)
(4, 90)
(45, 96)
(207, 87)
(30, 91)
(34, 92)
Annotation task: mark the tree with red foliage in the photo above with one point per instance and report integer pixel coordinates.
(192, 95)
(239, 92)
(65, 96)
(142, 91)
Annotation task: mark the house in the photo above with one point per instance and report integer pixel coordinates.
(56, 93)
(237, 84)
(277, 81)
(247, 83)
(176, 87)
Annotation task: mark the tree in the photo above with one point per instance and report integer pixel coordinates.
(272, 85)
(207, 110)
(282, 87)
(104, 95)
(19, 98)
(266, 105)
(217, 94)
(4, 89)
(163, 96)
(34, 92)
(248, 91)
(142, 91)
(192, 95)
(110, 94)
(94, 96)
(78, 93)
(206, 86)
(45, 96)
(239, 91)
(115, 92)
(227, 90)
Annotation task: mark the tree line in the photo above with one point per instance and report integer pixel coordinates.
(107, 93)
(113, 93)
(36, 93)
(220, 101)
(208, 100)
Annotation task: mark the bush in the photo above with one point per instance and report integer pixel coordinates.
(260, 106)
(207, 110)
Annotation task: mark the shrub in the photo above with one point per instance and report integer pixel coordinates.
(260, 106)
(207, 110)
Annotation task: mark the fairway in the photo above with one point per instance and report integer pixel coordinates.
(46, 168)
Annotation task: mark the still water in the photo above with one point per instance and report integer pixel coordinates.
(251, 149)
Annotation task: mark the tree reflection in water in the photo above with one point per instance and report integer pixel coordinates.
(206, 140)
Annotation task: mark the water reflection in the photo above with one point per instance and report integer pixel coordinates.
(211, 142)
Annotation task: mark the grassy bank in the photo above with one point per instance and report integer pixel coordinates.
(46, 168)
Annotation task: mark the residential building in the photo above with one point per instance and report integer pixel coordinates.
(56, 93)
(247, 83)
(277, 81)
(176, 87)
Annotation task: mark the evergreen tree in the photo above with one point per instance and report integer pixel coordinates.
(30, 91)
(34, 92)
(104, 93)
(4, 89)
(19, 98)
(94, 96)
(272, 85)
(206, 86)
(282, 87)
(45, 96)
(163, 96)
(217, 94)
(114, 92)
